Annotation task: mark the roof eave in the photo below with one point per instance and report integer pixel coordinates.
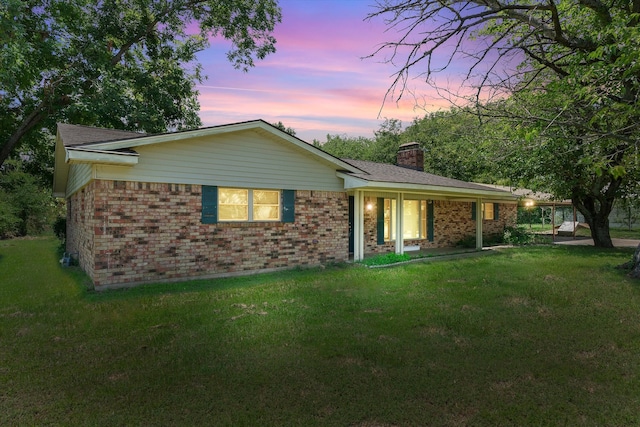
(218, 130)
(354, 183)
(80, 155)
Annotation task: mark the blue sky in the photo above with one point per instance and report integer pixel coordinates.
(317, 82)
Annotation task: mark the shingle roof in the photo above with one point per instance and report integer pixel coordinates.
(382, 172)
(74, 135)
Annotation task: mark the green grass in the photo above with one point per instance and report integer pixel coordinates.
(617, 233)
(531, 336)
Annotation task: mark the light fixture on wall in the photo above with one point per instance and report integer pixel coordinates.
(369, 206)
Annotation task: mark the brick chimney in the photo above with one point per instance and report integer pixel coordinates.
(410, 156)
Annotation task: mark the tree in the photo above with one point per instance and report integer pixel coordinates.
(346, 147)
(564, 73)
(120, 64)
(386, 142)
(382, 148)
(26, 207)
(454, 145)
(283, 128)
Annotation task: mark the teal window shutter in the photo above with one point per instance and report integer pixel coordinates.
(380, 220)
(288, 205)
(209, 204)
(430, 220)
(473, 211)
(496, 211)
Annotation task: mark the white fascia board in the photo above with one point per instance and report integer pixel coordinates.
(170, 137)
(218, 130)
(80, 155)
(352, 183)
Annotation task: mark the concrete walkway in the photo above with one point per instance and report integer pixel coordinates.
(586, 241)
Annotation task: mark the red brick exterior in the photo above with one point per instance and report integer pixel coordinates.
(128, 233)
(410, 156)
(79, 240)
(451, 223)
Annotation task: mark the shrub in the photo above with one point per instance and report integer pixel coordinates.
(27, 207)
(510, 235)
(467, 242)
(60, 228)
(384, 259)
(517, 236)
(8, 219)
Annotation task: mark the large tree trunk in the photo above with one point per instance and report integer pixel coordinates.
(596, 208)
(600, 232)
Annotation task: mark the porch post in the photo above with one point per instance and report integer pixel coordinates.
(399, 224)
(358, 225)
(479, 220)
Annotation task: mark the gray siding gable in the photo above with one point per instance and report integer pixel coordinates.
(246, 159)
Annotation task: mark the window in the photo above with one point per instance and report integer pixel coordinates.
(414, 216)
(266, 205)
(246, 205)
(389, 219)
(490, 211)
(233, 205)
(487, 211)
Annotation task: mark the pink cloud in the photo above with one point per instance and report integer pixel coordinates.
(317, 81)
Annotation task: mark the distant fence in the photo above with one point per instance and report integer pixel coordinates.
(625, 214)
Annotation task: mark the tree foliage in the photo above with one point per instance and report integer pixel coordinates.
(291, 131)
(382, 148)
(26, 207)
(455, 145)
(563, 73)
(125, 64)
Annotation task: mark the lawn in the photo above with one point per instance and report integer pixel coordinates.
(616, 233)
(529, 336)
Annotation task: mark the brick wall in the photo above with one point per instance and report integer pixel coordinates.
(451, 223)
(148, 232)
(128, 233)
(80, 222)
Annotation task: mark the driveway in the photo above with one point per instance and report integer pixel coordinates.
(586, 241)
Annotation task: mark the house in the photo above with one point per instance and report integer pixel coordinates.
(245, 198)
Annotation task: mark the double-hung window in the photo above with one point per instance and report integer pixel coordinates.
(221, 204)
(237, 204)
(488, 211)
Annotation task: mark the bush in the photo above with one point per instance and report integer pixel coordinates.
(384, 259)
(517, 236)
(26, 207)
(60, 228)
(8, 219)
(510, 236)
(467, 242)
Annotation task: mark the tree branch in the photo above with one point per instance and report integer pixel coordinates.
(38, 114)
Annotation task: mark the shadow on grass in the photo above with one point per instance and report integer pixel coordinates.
(240, 282)
(206, 285)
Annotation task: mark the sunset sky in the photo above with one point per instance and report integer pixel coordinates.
(317, 82)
